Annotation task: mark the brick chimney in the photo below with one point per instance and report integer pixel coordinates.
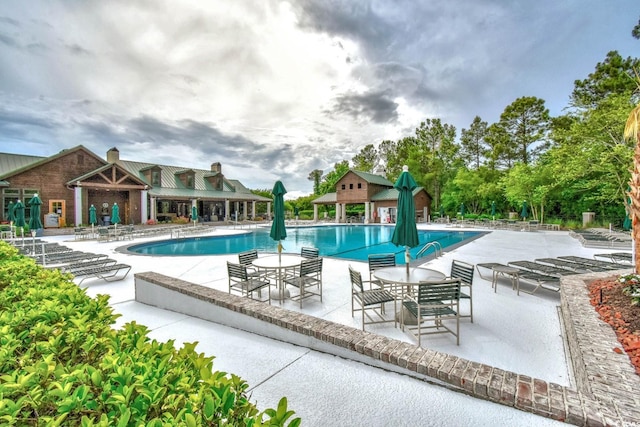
(216, 167)
(113, 155)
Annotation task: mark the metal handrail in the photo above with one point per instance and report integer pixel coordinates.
(437, 249)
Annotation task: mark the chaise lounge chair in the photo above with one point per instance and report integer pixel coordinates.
(542, 268)
(540, 280)
(592, 262)
(623, 258)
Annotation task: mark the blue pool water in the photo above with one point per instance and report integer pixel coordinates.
(354, 242)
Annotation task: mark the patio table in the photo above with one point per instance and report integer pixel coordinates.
(397, 278)
(278, 266)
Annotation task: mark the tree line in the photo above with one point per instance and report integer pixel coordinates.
(561, 166)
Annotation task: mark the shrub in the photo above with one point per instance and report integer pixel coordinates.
(62, 363)
(632, 287)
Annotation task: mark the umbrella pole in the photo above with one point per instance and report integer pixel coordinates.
(407, 258)
(279, 251)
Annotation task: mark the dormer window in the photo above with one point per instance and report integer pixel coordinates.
(187, 178)
(155, 178)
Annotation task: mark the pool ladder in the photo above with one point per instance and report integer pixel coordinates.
(437, 249)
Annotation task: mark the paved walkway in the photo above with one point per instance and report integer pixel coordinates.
(515, 333)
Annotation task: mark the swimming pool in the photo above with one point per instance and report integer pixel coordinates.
(354, 242)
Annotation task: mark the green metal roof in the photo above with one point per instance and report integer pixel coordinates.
(12, 162)
(171, 186)
(327, 198)
(372, 178)
(391, 194)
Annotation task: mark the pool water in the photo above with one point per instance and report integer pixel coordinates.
(354, 242)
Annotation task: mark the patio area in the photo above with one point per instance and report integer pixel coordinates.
(520, 334)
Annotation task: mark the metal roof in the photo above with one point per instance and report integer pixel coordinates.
(372, 178)
(392, 194)
(327, 198)
(12, 162)
(171, 186)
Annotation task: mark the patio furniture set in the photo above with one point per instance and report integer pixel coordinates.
(253, 274)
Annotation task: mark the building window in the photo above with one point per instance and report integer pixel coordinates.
(350, 186)
(359, 185)
(343, 186)
(190, 181)
(80, 159)
(155, 178)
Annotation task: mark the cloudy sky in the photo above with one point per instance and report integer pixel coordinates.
(274, 90)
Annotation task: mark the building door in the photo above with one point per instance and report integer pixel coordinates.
(58, 207)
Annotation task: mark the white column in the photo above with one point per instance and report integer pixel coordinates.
(315, 212)
(253, 210)
(338, 213)
(425, 215)
(154, 209)
(269, 210)
(226, 209)
(77, 192)
(343, 211)
(244, 210)
(144, 214)
(366, 212)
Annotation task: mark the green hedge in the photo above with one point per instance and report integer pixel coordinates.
(62, 363)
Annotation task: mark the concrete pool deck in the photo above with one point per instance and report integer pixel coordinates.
(516, 333)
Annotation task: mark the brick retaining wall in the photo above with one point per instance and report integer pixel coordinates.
(601, 374)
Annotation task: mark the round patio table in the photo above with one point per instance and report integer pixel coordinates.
(398, 280)
(277, 267)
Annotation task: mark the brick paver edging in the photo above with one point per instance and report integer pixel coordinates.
(599, 371)
(579, 406)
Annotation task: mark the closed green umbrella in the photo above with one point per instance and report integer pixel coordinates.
(626, 225)
(524, 214)
(441, 211)
(11, 211)
(405, 233)
(34, 220)
(19, 212)
(278, 230)
(115, 214)
(493, 210)
(462, 210)
(194, 214)
(93, 219)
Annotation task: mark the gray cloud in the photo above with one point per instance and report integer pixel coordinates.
(374, 106)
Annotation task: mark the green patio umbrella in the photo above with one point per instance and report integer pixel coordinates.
(405, 233)
(441, 211)
(34, 220)
(18, 208)
(524, 214)
(11, 212)
(278, 230)
(93, 219)
(626, 225)
(115, 214)
(462, 210)
(493, 210)
(194, 214)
